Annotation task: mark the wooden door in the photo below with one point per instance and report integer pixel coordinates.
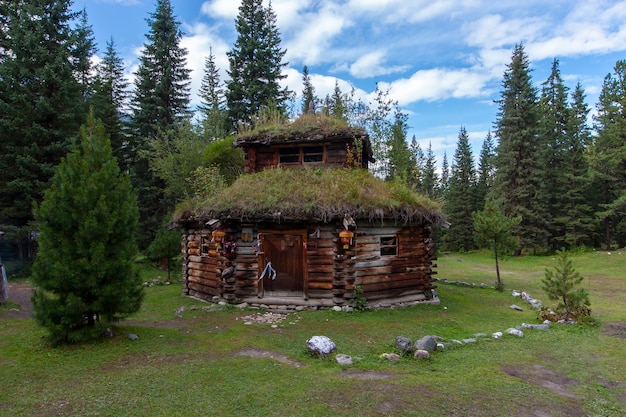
(285, 252)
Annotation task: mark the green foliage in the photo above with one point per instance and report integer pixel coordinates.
(493, 230)
(460, 200)
(255, 64)
(518, 181)
(228, 159)
(42, 105)
(84, 273)
(562, 284)
(212, 106)
(359, 302)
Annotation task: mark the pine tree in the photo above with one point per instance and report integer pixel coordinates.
(494, 230)
(255, 64)
(84, 274)
(160, 103)
(561, 285)
(608, 152)
(41, 106)
(399, 164)
(309, 101)
(109, 100)
(417, 165)
(461, 197)
(212, 101)
(519, 172)
(486, 170)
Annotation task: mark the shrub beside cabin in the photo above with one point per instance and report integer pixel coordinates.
(307, 224)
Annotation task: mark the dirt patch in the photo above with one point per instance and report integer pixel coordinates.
(365, 375)
(19, 294)
(261, 353)
(616, 329)
(544, 377)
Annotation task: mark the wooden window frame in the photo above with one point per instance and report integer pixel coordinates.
(386, 249)
(303, 152)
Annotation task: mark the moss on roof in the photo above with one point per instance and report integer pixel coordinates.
(313, 194)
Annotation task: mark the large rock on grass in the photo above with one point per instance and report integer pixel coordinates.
(320, 346)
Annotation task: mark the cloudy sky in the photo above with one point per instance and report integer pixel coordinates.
(442, 60)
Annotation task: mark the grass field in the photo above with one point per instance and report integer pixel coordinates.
(212, 363)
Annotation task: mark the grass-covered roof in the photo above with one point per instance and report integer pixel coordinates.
(313, 194)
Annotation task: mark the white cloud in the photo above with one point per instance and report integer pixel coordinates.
(223, 9)
(371, 65)
(437, 84)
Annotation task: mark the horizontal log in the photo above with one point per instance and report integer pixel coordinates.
(324, 269)
(207, 289)
(408, 279)
(203, 274)
(394, 286)
(198, 266)
(207, 296)
(320, 285)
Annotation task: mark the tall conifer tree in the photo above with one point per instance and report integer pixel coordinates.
(430, 179)
(608, 152)
(109, 101)
(517, 184)
(461, 197)
(212, 104)
(486, 170)
(41, 105)
(160, 103)
(85, 275)
(255, 64)
(309, 101)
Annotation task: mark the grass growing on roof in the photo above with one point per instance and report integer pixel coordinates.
(320, 194)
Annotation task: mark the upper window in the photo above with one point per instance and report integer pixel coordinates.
(301, 155)
(388, 246)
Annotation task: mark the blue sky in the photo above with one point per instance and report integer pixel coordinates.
(443, 60)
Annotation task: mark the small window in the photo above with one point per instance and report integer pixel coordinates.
(313, 154)
(204, 246)
(289, 155)
(388, 246)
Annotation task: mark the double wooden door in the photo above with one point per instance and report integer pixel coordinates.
(285, 252)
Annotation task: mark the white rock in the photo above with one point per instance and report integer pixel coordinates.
(515, 332)
(421, 354)
(343, 359)
(497, 335)
(321, 346)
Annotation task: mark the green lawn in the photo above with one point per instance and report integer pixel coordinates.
(194, 365)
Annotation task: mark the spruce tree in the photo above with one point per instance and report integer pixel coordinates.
(84, 49)
(461, 197)
(430, 179)
(255, 64)
(309, 101)
(399, 165)
(486, 170)
(84, 274)
(578, 213)
(608, 153)
(41, 106)
(159, 104)
(213, 113)
(553, 138)
(109, 100)
(417, 165)
(518, 180)
(562, 284)
(445, 176)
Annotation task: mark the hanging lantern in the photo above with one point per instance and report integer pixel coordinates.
(218, 237)
(346, 238)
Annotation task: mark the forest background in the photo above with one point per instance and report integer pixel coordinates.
(543, 161)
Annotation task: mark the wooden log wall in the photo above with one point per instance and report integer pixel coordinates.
(388, 276)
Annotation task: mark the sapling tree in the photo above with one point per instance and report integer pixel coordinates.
(562, 284)
(494, 230)
(84, 275)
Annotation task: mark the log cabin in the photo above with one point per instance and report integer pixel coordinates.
(309, 225)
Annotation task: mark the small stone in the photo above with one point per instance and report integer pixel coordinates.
(404, 344)
(133, 336)
(515, 332)
(243, 305)
(516, 307)
(348, 309)
(516, 293)
(343, 359)
(337, 308)
(497, 335)
(483, 285)
(108, 332)
(426, 343)
(441, 346)
(179, 311)
(421, 354)
(458, 342)
(390, 356)
(479, 335)
(468, 341)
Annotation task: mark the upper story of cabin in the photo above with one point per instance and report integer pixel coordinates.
(314, 146)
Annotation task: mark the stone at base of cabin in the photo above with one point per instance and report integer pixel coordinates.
(343, 359)
(320, 346)
(336, 308)
(428, 343)
(242, 305)
(421, 354)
